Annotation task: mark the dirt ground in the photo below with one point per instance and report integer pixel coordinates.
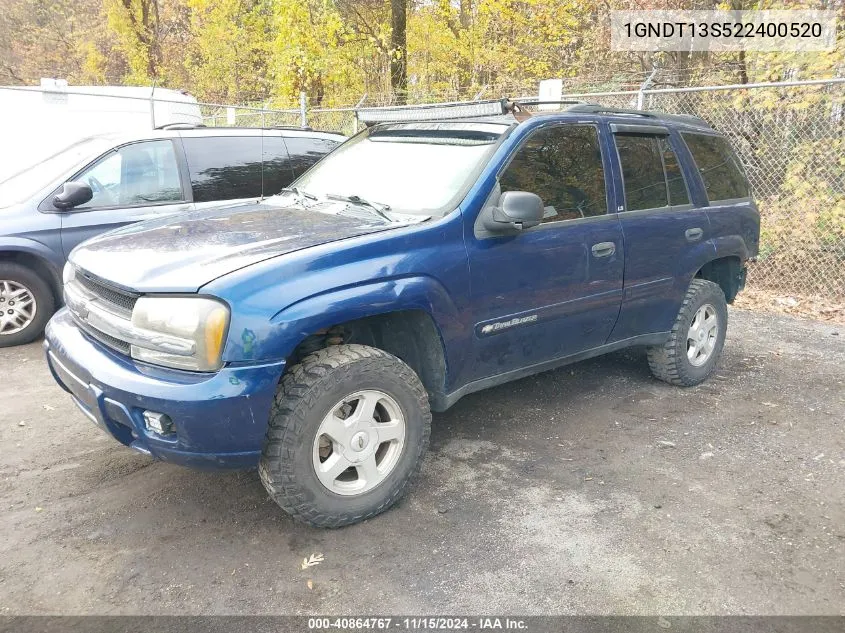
(594, 489)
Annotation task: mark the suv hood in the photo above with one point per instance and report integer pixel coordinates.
(185, 252)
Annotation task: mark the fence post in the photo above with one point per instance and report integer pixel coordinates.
(355, 121)
(643, 87)
(303, 114)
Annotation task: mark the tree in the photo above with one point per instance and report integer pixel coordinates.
(229, 49)
(136, 25)
(399, 49)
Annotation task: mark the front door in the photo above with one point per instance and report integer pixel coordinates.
(134, 182)
(555, 289)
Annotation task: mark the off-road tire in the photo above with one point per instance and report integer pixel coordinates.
(305, 395)
(669, 362)
(44, 301)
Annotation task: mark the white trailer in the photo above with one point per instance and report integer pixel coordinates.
(36, 122)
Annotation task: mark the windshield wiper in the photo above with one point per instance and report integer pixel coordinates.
(377, 207)
(299, 193)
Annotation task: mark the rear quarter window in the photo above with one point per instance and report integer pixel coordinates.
(720, 169)
(224, 167)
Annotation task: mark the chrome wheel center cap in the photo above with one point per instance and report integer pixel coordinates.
(360, 441)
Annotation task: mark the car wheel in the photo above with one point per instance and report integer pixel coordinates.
(348, 429)
(698, 335)
(26, 304)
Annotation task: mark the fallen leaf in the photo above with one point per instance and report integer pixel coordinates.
(311, 561)
(310, 583)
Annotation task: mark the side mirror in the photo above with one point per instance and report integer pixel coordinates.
(517, 210)
(72, 195)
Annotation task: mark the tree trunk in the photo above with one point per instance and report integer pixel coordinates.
(399, 50)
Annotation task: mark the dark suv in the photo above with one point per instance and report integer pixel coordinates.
(104, 182)
(312, 334)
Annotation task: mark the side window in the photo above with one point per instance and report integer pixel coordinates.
(305, 151)
(651, 172)
(134, 175)
(642, 172)
(674, 176)
(276, 165)
(719, 167)
(224, 167)
(562, 165)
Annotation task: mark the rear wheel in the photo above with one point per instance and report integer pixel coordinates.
(698, 335)
(347, 433)
(26, 304)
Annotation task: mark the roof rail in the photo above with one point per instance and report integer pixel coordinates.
(179, 126)
(534, 102)
(301, 128)
(595, 108)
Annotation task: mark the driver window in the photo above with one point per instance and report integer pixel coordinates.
(562, 165)
(134, 175)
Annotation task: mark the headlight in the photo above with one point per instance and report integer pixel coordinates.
(180, 332)
(68, 273)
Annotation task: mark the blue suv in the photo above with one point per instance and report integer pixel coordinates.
(313, 333)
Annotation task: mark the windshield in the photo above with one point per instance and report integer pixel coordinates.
(415, 168)
(27, 181)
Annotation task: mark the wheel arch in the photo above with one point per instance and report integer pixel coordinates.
(37, 262)
(410, 335)
(413, 318)
(727, 272)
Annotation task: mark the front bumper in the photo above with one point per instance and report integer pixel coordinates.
(220, 419)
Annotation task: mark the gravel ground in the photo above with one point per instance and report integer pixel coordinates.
(594, 489)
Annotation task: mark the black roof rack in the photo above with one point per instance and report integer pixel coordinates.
(595, 108)
(179, 126)
(534, 102)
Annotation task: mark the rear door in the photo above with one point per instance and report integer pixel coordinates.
(224, 168)
(660, 224)
(133, 182)
(555, 289)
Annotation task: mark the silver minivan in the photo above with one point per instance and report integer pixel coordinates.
(104, 182)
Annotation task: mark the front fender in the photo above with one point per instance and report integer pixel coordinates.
(52, 260)
(290, 326)
(32, 247)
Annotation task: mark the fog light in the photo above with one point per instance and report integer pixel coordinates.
(158, 422)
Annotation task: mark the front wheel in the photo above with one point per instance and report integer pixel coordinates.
(698, 335)
(26, 304)
(347, 433)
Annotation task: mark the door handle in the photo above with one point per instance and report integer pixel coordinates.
(603, 249)
(693, 235)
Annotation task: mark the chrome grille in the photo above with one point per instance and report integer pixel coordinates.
(109, 341)
(117, 299)
(86, 298)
